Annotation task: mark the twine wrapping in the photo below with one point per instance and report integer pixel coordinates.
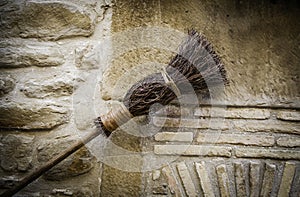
(169, 81)
(116, 117)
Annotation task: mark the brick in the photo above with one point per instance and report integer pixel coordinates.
(223, 180)
(266, 126)
(288, 115)
(190, 123)
(233, 113)
(287, 179)
(186, 179)
(240, 179)
(255, 178)
(267, 153)
(195, 150)
(205, 182)
(173, 111)
(172, 183)
(174, 136)
(243, 139)
(268, 180)
(288, 141)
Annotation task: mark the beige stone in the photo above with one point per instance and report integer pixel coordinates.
(268, 180)
(174, 136)
(288, 115)
(186, 180)
(267, 153)
(172, 182)
(205, 182)
(39, 116)
(244, 139)
(266, 126)
(192, 150)
(190, 123)
(289, 141)
(7, 84)
(54, 86)
(46, 20)
(287, 178)
(255, 174)
(223, 180)
(240, 179)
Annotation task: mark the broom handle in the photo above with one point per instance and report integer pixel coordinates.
(51, 163)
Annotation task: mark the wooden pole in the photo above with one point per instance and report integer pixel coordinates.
(51, 163)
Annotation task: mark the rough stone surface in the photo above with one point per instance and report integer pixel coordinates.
(287, 178)
(16, 53)
(173, 186)
(289, 141)
(7, 84)
(205, 182)
(88, 57)
(186, 179)
(79, 163)
(266, 126)
(223, 180)
(46, 19)
(288, 115)
(193, 150)
(240, 179)
(267, 153)
(23, 116)
(189, 123)
(244, 139)
(268, 180)
(56, 86)
(236, 113)
(174, 136)
(255, 174)
(16, 153)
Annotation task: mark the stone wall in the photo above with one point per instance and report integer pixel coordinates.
(65, 62)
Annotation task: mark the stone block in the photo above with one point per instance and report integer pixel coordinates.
(79, 163)
(266, 126)
(189, 123)
(193, 150)
(287, 178)
(46, 19)
(233, 113)
(16, 153)
(243, 139)
(288, 141)
(269, 176)
(88, 57)
(205, 181)
(267, 153)
(35, 116)
(255, 178)
(240, 179)
(288, 115)
(186, 179)
(17, 53)
(223, 180)
(57, 86)
(174, 136)
(172, 182)
(7, 84)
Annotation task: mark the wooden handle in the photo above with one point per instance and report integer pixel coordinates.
(51, 163)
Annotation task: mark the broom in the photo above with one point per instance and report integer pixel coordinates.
(195, 63)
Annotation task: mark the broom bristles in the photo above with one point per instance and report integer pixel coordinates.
(196, 63)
